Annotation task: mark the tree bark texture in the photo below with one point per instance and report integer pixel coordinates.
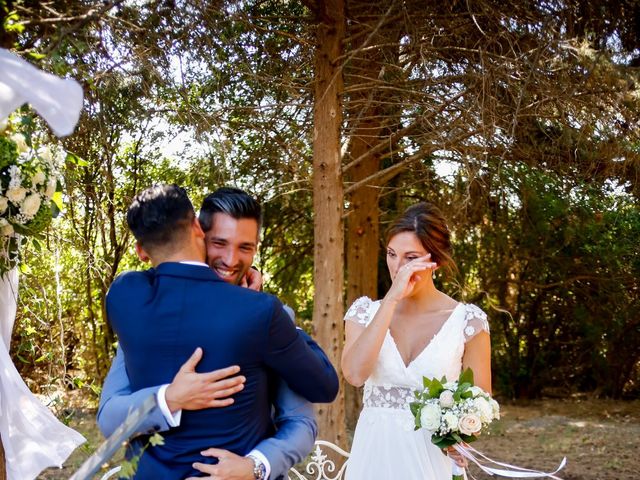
(328, 200)
(368, 111)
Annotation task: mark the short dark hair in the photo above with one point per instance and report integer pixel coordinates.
(232, 201)
(160, 215)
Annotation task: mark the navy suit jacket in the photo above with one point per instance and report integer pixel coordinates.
(161, 315)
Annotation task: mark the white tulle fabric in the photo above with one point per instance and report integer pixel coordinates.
(32, 436)
(385, 445)
(57, 100)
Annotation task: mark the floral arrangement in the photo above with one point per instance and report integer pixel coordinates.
(28, 185)
(455, 412)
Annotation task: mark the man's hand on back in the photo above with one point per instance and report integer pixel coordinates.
(190, 390)
(229, 467)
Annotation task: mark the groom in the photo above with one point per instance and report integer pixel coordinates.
(163, 314)
(231, 221)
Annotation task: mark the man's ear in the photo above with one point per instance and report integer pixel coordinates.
(142, 253)
(197, 228)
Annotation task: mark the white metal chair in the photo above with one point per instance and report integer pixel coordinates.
(319, 467)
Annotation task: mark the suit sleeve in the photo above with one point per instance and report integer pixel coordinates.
(298, 360)
(296, 431)
(117, 400)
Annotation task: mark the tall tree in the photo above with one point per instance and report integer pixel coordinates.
(328, 200)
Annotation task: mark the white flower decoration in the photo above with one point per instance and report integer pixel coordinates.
(446, 399)
(31, 205)
(470, 424)
(469, 330)
(484, 409)
(39, 178)
(6, 229)
(495, 407)
(430, 417)
(46, 154)
(16, 194)
(20, 141)
(451, 421)
(51, 187)
(15, 176)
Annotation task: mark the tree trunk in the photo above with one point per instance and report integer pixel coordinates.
(363, 234)
(370, 108)
(328, 308)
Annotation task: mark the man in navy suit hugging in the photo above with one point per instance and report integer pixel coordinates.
(231, 221)
(163, 314)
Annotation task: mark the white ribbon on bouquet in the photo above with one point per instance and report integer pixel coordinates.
(510, 471)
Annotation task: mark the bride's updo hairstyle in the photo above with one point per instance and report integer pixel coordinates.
(426, 221)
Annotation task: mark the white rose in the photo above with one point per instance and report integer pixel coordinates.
(446, 399)
(495, 407)
(46, 154)
(39, 178)
(20, 141)
(483, 408)
(430, 417)
(451, 421)
(469, 424)
(6, 230)
(450, 386)
(475, 391)
(4, 203)
(16, 194)
(31, 205)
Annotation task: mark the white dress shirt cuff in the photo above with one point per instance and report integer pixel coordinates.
(173, 419)
(267, 466)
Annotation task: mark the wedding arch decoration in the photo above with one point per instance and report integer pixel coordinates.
(32, 438)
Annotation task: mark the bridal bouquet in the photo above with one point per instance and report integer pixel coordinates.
(456, 413)
(28, 183)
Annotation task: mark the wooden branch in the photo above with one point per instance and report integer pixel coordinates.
(385, 142)
(384, 176)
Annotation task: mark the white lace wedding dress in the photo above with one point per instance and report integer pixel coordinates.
(385, 444)
(32, 436)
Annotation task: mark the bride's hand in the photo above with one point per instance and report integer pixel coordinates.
(407, 276)
(457, 457)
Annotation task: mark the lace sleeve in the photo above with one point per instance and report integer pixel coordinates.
(359, 311)
(475, 321)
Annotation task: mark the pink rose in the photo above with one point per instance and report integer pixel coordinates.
(470, 424)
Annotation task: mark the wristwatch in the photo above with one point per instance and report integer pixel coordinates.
(259, 470)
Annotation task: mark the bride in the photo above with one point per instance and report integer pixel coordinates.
(414, 331)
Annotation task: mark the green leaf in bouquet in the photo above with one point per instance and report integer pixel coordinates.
(468, 438)
(443, 442)
(466, 377)
(415, 409)
(466, 394)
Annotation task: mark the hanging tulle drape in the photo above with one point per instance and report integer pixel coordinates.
(32, 437)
